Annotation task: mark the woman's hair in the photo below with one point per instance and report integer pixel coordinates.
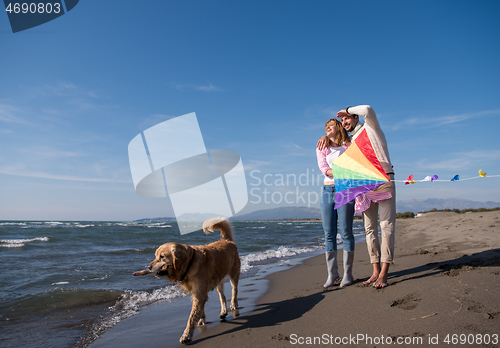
(342, 136)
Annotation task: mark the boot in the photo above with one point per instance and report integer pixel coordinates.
(348, 261)
(332, 268)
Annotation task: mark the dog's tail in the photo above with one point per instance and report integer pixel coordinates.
(221, 224)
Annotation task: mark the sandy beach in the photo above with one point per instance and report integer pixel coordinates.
(444, 290)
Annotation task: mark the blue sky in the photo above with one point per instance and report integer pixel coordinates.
(262, 78)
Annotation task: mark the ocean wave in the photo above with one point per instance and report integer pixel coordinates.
(129, 305)
(35, 224)
(18, 243)
(12, 223)
(82, 226)
(132, 300)
(61, 299)
(280, 253)
(158, 225)
(125, 251)
(86, 224)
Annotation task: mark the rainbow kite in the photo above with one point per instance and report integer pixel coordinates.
(357, 171)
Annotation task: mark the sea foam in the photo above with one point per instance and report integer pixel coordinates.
(17, 243)
(129, 305)
(279, 254)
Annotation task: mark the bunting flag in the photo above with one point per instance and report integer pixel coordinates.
(430, 178)
(357, 171)
(409, 180)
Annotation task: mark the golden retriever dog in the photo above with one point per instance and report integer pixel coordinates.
(201, 268)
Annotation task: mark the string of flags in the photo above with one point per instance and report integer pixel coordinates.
(358, 171)
(410, 180)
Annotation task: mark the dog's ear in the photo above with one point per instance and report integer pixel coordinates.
(173, 251)
(178, 253)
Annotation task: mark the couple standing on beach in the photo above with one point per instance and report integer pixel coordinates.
(331, 146)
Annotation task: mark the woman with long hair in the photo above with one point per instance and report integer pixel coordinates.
(338, 143)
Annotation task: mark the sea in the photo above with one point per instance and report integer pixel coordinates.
(65, 283)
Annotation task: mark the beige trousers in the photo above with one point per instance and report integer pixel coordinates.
(387, 209)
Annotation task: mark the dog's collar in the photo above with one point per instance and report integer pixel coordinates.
(188, 268)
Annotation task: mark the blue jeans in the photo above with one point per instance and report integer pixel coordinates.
(329, 216)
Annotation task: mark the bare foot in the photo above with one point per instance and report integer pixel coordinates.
(372, 279)
(375, 274)
(381, 282)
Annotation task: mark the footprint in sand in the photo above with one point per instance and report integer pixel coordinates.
(408, 302)
(481, 309)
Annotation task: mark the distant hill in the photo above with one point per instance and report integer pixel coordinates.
(413, 205)
(265, 214)
(281, 213)
(418, 205)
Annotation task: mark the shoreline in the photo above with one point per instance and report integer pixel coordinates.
(444, 281)
(161, 324)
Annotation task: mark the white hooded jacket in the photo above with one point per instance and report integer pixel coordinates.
(375, 134)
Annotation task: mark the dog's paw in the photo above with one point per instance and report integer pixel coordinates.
(223, 316)
(234, 306)
(201, 322)
(185, 339)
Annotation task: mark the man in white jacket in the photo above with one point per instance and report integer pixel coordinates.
(381, 254)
